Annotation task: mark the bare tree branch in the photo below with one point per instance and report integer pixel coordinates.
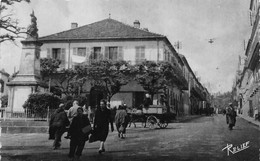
(9, 26)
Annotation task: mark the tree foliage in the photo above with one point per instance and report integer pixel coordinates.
(39, 102)
(48, 68)
(154, 77)
(109, 75)
(65, 81)
(173, 74)
(4, 100)
(8, 24)
(150, 77)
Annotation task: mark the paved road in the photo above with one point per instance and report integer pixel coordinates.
(201, 139)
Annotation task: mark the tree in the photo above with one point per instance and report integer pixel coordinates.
(81, 78)
(150, 77)
(109, 76)
(155, 77)
(64, 81)
(4, 100)
(8, 25)
(39, 103)
(49, 67)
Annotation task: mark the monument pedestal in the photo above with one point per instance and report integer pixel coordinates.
(27, 80)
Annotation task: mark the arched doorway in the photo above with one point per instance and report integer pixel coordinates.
(96, 94)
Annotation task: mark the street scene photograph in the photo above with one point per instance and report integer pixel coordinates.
(129, 80)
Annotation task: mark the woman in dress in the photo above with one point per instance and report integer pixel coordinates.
(121, 121)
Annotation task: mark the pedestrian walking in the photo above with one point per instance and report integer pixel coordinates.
(147, 101)
(121, 121)
(58, 123)
(231, 116)
(72, 112)
(101, 124)
(79, 131)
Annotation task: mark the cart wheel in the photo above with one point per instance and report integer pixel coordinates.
(163, 125)
(152, 122)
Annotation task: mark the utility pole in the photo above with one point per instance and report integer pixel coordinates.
(178, 45)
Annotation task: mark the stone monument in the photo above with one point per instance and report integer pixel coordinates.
(27, 80)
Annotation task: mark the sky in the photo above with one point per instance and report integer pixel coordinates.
(192, 22)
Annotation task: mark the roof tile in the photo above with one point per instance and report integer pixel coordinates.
(105, 29)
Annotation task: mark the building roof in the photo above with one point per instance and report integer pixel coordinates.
(104, 29)
(186, 62)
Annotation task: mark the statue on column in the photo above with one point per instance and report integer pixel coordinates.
(32, 30)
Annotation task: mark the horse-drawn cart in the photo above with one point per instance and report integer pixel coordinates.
(155, 115)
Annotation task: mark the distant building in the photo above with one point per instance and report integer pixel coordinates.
(196, 97)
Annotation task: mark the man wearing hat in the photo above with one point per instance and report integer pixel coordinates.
(58, 123)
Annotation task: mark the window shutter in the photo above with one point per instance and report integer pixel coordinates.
(106, 52)
(114, 53)
(101, 53)
(74, 51)
(142, 53)
(62, 58)
(137, 55)
(92, 51)
(48, 53)
(92, 56)
(87, 54)
(120, 53)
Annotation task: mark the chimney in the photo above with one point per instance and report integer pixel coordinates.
(145, 29)
(74, 25)
(137, 24)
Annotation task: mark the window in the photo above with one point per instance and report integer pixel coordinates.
(166, 55)
(57, 53)
(79, 51)
(97, 53)
(139, 54)
(114, 53)
(82, 52)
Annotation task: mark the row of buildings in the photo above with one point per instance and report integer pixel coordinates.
(246, 93)
(114, 40)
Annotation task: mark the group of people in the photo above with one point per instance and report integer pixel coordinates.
(80, 129)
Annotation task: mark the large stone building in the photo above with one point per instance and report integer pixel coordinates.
(114, 40)
(196, 97)
(246, 87)
(111, 39)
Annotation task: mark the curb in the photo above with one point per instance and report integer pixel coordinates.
(250, 121)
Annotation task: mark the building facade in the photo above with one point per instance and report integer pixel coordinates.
(247, 83)
(114, 40)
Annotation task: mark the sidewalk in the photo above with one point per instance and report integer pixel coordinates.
(250, 120)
